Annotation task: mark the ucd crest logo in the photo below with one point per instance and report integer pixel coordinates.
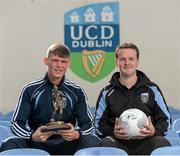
(92, 34)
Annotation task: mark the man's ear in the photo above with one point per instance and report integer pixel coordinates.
(45, 60)
(117, 65)
(69, 62)
(137, 62)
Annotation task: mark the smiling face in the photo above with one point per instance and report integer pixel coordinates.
(57, 67)
(127, 62)
(57, 61)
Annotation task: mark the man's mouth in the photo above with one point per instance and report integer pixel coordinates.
(58, 70)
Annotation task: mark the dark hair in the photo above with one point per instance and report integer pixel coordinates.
(127, 46)
(58, 49)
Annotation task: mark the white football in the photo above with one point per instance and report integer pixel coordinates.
(133, 120)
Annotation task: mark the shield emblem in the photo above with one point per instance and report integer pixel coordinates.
(93, 61)
(144, 97)
(92, 34)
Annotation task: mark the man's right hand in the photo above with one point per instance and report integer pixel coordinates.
(40, 136)
(119, 130)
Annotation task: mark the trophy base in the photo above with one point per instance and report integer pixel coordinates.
(51, 123)
(56, 126)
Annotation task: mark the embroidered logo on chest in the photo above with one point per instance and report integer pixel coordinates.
(144, 97)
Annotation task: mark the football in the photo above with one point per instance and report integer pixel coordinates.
(133, 120)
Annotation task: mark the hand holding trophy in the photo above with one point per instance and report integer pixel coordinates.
(56, 122)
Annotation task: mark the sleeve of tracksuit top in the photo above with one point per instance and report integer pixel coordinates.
(83, 114)
(21, 116)
(161, 116)
(101, 123)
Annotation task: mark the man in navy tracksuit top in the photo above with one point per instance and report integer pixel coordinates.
(35, 108)
(131, 88)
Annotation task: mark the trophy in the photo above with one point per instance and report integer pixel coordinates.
(56, 122)
(58, 105)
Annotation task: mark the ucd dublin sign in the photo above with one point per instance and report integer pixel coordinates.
(92, 34)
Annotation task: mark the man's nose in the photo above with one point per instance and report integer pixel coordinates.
(126, 61)
(59, 63)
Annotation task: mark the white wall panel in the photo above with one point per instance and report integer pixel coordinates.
(28, 27)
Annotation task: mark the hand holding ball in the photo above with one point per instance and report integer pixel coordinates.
(133, 120)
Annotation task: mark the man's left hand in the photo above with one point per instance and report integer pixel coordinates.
(70, 134)
(148, 130)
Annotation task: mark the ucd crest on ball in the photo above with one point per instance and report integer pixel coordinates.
(92, 34)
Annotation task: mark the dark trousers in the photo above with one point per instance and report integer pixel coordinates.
(138, 146)
(62, 148)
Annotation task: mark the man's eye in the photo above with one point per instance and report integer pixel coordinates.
(121, 59)
(131, 59)
(64, 61)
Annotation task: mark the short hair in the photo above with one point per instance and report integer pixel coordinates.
(127, 46)
(59, 49)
